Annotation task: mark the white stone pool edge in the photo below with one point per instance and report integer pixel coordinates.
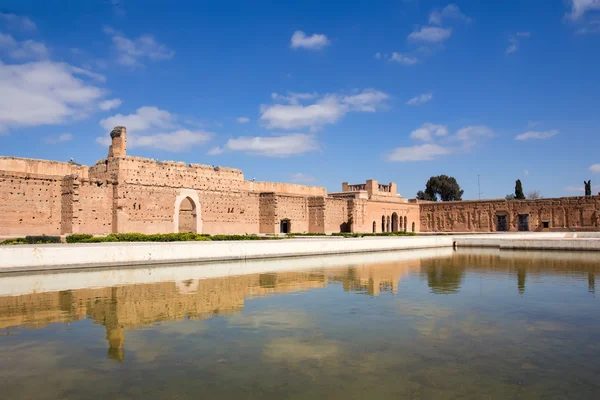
(21, 258)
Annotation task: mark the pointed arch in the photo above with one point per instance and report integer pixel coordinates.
(190, 197)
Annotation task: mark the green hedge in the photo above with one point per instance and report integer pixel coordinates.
(236, 237)
(168, 237)
(38, 239)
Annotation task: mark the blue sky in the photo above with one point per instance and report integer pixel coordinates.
(312, 92)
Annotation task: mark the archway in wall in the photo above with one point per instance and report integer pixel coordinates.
(374, 226)
(187, 212)
(387, 226)
(187, 216)
(394, 222)
(383, 223)
(413, 226)
(401, 222)
(405, 224)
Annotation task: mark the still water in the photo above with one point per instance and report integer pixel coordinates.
(414, 325)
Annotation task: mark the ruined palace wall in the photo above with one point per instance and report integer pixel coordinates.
(375, 210)
(147, 192)
(148, 172)
(42, 167)
(93, 208)
(151, 209)
(336, 215)
(29, 204)
(561, 214)
(294, 208)
(284, 188)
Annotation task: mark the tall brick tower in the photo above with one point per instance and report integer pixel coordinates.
(118, 148)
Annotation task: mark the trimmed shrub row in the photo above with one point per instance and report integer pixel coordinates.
(41, 239)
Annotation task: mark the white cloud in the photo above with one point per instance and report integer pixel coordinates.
(424, 152)
(420, 99)
(514, 41)
(325, 110)
(243, 120)
(294, 97)
(314, 42)
(274, 146)
(28, 49)
(64, 137)
(427, 131)
(17, 21)
(431, 34)
(451, 11)
(595, 168)
(177, 141)
(471, 135)
(403, 59)
(440, 143)
(378, 55)
(580, 7)
(107, 105)
(43, 93)
(215, 151)
(526, 172)
(145, 118)
(537, 135)
(131, 52)
(302, 178)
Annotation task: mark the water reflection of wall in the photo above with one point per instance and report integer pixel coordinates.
(126, 307)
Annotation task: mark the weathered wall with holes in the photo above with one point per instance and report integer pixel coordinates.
(295, 209)
(560, 214)
(336, 215)
(30, 204)
(42, 167)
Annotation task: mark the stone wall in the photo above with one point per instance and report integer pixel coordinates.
(42, 167)
(30, 204)
(558, 214)
(336, 215)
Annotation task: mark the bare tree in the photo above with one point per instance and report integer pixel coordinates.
(535, 195)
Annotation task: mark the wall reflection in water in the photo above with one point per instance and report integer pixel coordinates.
(133, 306)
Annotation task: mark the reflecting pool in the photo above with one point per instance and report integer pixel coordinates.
(433, 324)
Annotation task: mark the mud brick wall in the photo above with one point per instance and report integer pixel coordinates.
(30, 204)
(560, 214)
(336, 215)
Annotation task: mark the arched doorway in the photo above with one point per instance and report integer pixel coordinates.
(413, 226)
(374, 226)
(187, 216)
(388, 224)
(383, 223)
(401, 224)
(187, 213)
(394, 222)
(405, 224)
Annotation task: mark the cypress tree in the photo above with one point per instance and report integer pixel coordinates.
(519, 195)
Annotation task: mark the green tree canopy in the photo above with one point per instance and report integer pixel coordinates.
(519, 195)
(443, 186)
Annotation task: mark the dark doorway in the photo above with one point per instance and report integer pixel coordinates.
(374, 226)
(394, 222)
(502, 223)
(523, 222)
(413, 226)
(284, 226)
(383, 223)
